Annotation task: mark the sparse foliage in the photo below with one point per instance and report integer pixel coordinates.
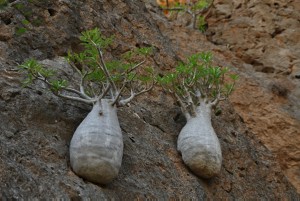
(198, 81)
(118, 79)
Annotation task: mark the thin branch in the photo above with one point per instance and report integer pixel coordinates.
(217, 100)
(119, 93)
(133, 95)
(81, 86)
(74, 98)
(190, 100)
(183, 107)
(90, 87)
(127, 100)
(193, 79)
(194, 16)
(125, 82)
(82, 91)
(174, 9)
(42, 78)
(144, 90)
(104, 92)
(104, 68)
(135, 67)
(82, 99)
(74, 66)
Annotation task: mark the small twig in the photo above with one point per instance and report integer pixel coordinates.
(81, 86)
(42, 78)
(119, 93)
(183, 107)
(104, 68)
(135, 67)
(174, 9)
(126, 101)
(74, 66)
(104, 92)
(190, 100)
(145, 90)
(74, 98)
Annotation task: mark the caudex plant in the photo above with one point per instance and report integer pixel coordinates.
(96, 148)
(197, 9)
(198, 86)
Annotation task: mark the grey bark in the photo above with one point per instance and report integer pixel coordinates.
(199, 144)
(96, 148)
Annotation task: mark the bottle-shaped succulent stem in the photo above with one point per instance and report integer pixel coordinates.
(96, 148)
(199, 144)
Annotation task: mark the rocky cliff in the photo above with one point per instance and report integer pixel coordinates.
(36, 127)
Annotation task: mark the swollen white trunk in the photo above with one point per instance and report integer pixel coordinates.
(96, 148)
(199, 144)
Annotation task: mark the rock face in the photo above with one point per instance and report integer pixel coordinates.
(266, 36)
(264, 39)
(36, 127)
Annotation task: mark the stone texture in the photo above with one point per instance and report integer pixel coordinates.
(266, 36)
(36, 127)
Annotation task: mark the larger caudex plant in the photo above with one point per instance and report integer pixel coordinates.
(198, 86)
(96, 148)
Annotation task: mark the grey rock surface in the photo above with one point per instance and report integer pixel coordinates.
(36, 127)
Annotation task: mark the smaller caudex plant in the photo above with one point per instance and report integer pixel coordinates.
(96, 148)
(198, 86)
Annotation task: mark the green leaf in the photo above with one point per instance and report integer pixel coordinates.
(25, 22)
(116, 65)
(201, 4)
(149, 69)
(47, 73)
(228, 88)
(96, 76)
(95, 38)
(128, 55)
(234, 77)
(19, 6)
(206, 57)
(131, 76)
(145, 51)
(182, 68)
(202, 24)
(20, 31)
(32, 66)
(57, 85)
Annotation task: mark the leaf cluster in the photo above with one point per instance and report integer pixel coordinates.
(99, 77)
(198, 79)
